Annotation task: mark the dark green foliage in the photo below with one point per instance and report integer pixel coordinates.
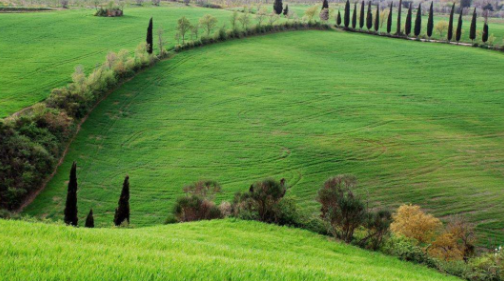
(71, 200)
(122, 212)
(286, 10)
(90, 219)
(378, 227)
(465, 3)
(369, 18)
(430, 21)
(398, 32)
(484, 36)
(198, 203)
(361, 18)
(377, 18)
(354, 16)
(150, 41)
(338, 19)
(472, 32)
(389, 20)
(458, 33)
(450, 24)
(325, 5)
(418, 20)
(407, 27)
(278, 7)
(347, 14)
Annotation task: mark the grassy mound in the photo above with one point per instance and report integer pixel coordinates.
(212, 250)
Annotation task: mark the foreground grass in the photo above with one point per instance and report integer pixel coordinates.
(418, 123)
(212, 250)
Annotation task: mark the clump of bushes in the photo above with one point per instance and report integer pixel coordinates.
(112, 10)
(198, 203)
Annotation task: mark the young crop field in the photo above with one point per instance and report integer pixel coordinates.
(419, 123)
(215, 250)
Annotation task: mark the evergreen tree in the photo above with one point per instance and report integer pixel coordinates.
(418, 21)
(450, 24)
(377, 18)
(458, 33)
(354, 16)
(430, 21)
(369, 19)
(325, 5)
(389, 20)
(398, 32)
(361, 18)
(286, 10)
(90, 219)
(472, 33)
(347, 13)
(150, 41)
(122, 212)
(408, 20)
(71, 200)
(338, 18)
(484, 36)
(278, 7)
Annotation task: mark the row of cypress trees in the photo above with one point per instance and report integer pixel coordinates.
(122, 212)
(408, 25)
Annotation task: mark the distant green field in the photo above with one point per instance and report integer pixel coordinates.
(212, 250)
(420, 123)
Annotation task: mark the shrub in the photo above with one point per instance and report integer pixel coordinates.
(198, 204)
(412, 222)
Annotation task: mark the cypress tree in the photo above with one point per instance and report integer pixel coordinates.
(122, 212)
(484, 36)
(286, 10)
(325, 5)
(369, 19)
(430, 21)
(377, 18)
(354, 16)
(450, 24)
(418, 20)
(347, 13)
(458, 33)
(338, 19)
(90, 219)
(278, 7)
(472, 33)
(361, 19)
(149, 38)
(408, 20)
(389, 20)
(398, 32)
(71, 200)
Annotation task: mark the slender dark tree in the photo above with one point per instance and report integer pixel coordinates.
(338, 18)
(458, 33)
(361, 18)
(472, 33)
(450, 24)
(389, 19)
(398, 32)
(150, 41)
(484, 36)
(430, 21)
(90, 219)
(418, 21)
(71, 200)
(354, 16)
(325, 5)
(369, 18)
(347, 14)
(286, 10)
(407, 27)
(377, 18)
(278, 7)
(122, 212)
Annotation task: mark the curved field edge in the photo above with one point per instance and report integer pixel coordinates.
(210, 250)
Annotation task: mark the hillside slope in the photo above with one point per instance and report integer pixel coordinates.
(212, 250)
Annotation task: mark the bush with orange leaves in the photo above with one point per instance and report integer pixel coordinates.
(456, 242)
(412, 222)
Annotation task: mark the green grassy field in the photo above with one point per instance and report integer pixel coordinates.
(212, 250)
(415, 122)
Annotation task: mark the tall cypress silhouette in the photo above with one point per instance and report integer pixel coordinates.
(484, 36)
(361, 18)
(377, 18)
(71, 200)
(354, 16)
(149, 37)
(338, 18)
(347, 14)
(369, 18)
(407, 27)
(122, 212)
(450, 24)
(278, 7)
(325, 5)
(90, 220)
(398, 32)
(458, 33)
(472, 33)
(418, 20)
(430, 20)
(389, 20)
